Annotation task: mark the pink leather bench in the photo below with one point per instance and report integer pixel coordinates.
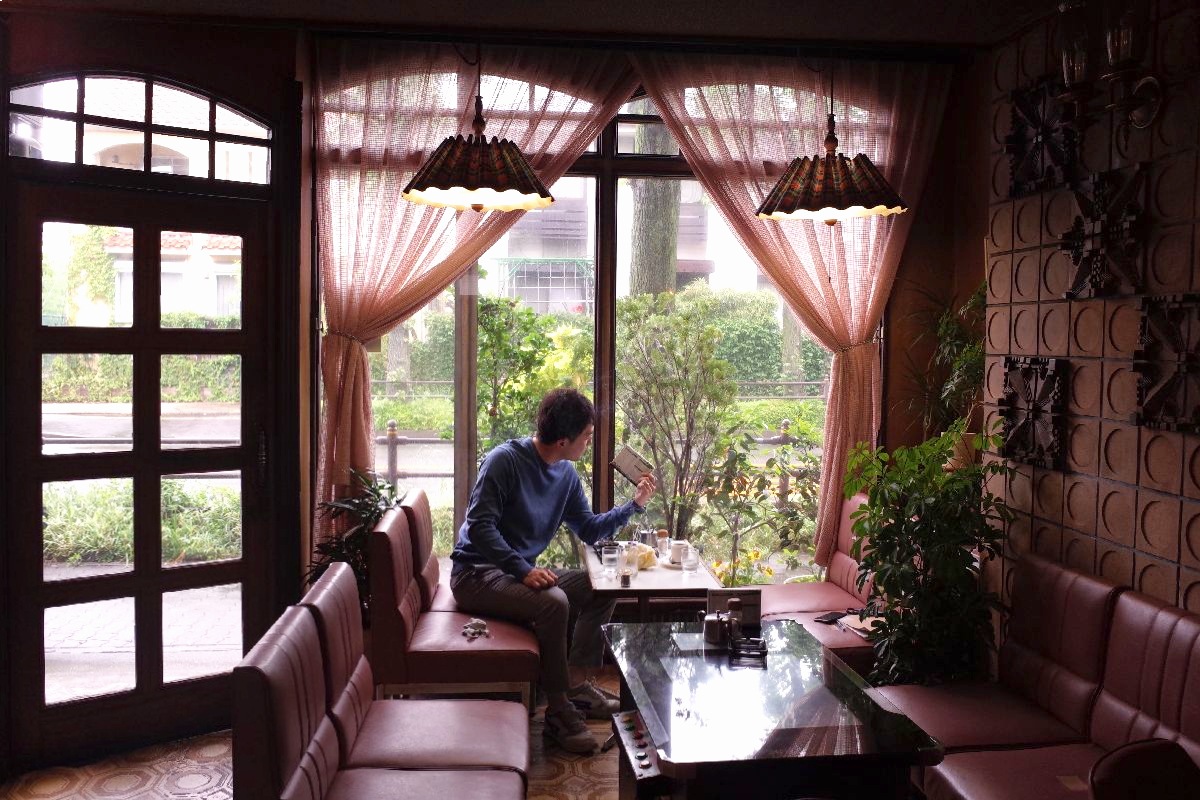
(286, 747)
(1087, 668)
(415, 652)
(433, 585)
(837, 592)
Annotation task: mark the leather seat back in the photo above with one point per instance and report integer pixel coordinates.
(420, 524)
(843, 568)
(395, 597)
(1057, 635)
(284, 745)
(349, 682)
(1151, 683)
(1154, 769)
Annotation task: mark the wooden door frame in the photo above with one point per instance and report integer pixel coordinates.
(270, 577)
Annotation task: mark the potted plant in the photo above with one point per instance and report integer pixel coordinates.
(927, 531)
(375, 498)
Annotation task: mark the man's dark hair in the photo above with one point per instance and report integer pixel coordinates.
(563, 414)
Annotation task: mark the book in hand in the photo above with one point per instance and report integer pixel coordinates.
(632, 465)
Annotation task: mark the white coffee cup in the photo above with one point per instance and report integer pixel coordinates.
(677, 546)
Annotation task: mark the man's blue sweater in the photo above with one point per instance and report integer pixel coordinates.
(519, 502)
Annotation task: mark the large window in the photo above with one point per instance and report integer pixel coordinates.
(716, 382)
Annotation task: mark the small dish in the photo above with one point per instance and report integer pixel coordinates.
(667, 563)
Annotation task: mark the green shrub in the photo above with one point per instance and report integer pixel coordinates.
(190, 319)
(108, 378)
(807, 418)
(443, 530)
(418, 414)
(94, 523)
(432, 358)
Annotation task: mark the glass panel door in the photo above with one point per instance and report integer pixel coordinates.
(137, 459)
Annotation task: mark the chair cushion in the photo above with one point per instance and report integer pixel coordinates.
(1151, 683)
(443, 598)
(1057, 634)
(477, 784)
(443, 734)
(843, 567)
(439, 653)
(1152, 769)
(420, 526)
(1039, 773)
(851, 648)
(973, 715)
(792, 598)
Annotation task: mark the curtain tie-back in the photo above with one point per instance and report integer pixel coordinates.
(850, 347)
(349, 336)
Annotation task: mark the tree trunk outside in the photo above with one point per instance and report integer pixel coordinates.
(655, 224)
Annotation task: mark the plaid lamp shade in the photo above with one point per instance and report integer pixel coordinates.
(473, 172)
(829, 188)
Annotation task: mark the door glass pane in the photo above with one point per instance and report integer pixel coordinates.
(645, 138)
(179, 155)
(79, 273)
(243, 162)
(87, 528)
(45, 138)
(56, 95)
(119, 148)
(201, 401)
(119, 98)
(89, 649)
(230, 121)
(87, 403)
(703, 336)
(180, 109)
(201, 517)
(201, 280)
(202, 631)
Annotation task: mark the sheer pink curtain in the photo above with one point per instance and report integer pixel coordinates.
(739, 121)
(382, 108)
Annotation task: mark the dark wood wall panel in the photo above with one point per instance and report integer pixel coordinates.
(1126, 504)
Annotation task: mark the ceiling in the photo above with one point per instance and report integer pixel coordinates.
(868, 22)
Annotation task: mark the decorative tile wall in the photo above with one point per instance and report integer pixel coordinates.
(1126, 504)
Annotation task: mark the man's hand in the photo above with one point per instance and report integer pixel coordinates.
(645, 490)
(540, 578)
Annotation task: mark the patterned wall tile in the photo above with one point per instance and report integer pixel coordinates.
(1114, 563)
(1079, 502)
(1027, 226)
(1000, 228)
(1019, 492)
(1116, 513)
(1017, 543)
(999, 279)
(1001, 175)
(1032, 55)
(1024, 329)
(996, 340)
(1047, 540)
(1026, 275)
(992, 420)
(1004, 69)
(1054, 319)
(993, 378)
(1001, 123)
(1169, 260)
(1048, 494)
(1170, 192)
(1079, 551)
(1158, 525)
(1120, 391)
(993, 575)
(1119, 451)
(1083, 445)
(1057, 272)
(1189, 540)
(1087, 328)
(1191, 467)
(1095, 154)
(1156, 578)
(1131, 148)
(1123, 320)
(1189, 590)
(1162, 460)
(1175, 46)
(1085, 382)
(1058, 215)
(1176, 125)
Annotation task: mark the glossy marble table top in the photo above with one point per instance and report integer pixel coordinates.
(806, 703)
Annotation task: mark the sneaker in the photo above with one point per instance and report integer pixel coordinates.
(593, 702)
(567, 727)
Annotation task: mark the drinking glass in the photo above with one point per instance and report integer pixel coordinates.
(690, 560)
(608, 558)
(664, 547)
(629, 560)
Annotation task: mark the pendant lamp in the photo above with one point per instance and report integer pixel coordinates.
(474, 173)
(831, 187)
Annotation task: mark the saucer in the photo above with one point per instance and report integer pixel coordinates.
(669, 564)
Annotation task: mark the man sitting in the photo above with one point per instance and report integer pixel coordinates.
(526, 489)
